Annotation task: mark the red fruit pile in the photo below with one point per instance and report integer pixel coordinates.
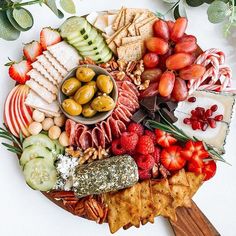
(173, 52)
(202, 118)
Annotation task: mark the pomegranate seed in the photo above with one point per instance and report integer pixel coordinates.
(211, 122)
(193, 112)
(196, 125)
(214, 108)
(218, 118)
(204, 126)
(208, 113)
(192, 99)
(187, 121)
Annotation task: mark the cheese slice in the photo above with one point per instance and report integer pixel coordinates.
(41, 91)
(101, 22)
(109, 30)
(111, 19)
(91, 18)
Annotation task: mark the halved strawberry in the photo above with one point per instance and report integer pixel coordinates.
(195, 152)
(18, 71)
(164, 139)
(171, 158)
(48, 37)
(32, 50)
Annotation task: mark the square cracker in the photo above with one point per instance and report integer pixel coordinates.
(122, 20)
(123, 33)
(118, 18)
(146, 31)
(139, 17)
(163, 199)
(131, 51)
(111, 38)
(144, 22)
(127, 40)
(130, 14)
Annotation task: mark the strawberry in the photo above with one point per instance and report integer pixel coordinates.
(18, 71)
(171, 158)
(144, 174)
(136, 128)
(48, 37)
(151, 135)
(32, 50)
(116, 147)
(195, 152)
(156, 154)
(145, 145)
(164, 139)
(128, 141)
(144, 162)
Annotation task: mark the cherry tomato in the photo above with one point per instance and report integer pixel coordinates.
(166, 83)
(179, 61)
(161, 29)
(193, 71)
(180, 91)
(151, 60)
(187, 47)
(157, 45)
(170, 24)
(151, 74)
(188, 38)
(152, 90)
(179, 28)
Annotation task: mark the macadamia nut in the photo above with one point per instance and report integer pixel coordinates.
(60, 121)
(64, 139)
(38, 116)
(47, 124)
(54, 132)
(35, 128)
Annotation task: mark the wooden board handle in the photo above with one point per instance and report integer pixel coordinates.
(192, 222)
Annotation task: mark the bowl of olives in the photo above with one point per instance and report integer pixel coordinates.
(88, 94)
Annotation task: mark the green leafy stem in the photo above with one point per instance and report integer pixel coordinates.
(12, 5)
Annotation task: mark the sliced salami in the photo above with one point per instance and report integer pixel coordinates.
(114, 127)
(127, 95)
(127, 103)
(105, 127)
(98, 137)
(125, 110)
(122, 126)
(85, 139)
(119, 114)
(70, 128)
(129, 86)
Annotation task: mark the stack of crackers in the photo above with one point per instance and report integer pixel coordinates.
(150, 198)
(132, 27)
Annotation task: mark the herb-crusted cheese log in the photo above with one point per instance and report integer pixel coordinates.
(107, 175)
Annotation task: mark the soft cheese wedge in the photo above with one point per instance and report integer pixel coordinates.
(215, 137)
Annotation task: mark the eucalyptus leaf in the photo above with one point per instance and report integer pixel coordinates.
(209, 1)
(217, 12)
(23, 18)
(7, 31)
(60, 14)
(194, 3)
(68, 6)
(52, 5)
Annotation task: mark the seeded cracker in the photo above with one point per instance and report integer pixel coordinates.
(121, 35)
(127, 40)
(118, 18)
(122, 20)
(146, 31)
(130, 14)
(131, 51)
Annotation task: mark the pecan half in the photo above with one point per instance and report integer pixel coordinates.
(80, 208)
(93, 210)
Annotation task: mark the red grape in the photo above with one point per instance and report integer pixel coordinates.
(151, 74)
(180, 91)
(161, 30)
(179, 28)
(193, 71)
(157, 45)
(188, 38)
(150, 60)
(166, 83)
(187, 47)
(152, 90)
(170, 24)
(179, 61)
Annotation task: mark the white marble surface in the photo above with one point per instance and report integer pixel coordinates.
(24, 212)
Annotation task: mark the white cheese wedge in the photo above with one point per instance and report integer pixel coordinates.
(41, 91)
(215, 137)
(109, 30)
(111, 19)
(65, 54)
(39, 78)
(35, 101)
(91, 18)
(101, 22)
(55, 63)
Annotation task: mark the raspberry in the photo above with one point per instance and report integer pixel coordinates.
(128, 141)
(144, 162)
(136, 128)
(144, 174)
(156, 155)
(151, 135)
(116, 147)
(145, 145)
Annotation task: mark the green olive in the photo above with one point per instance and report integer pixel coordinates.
(71, 107)
(84, 74)
(84, 94)
(88, 110)
(103, 103)
(70, 86)
(93, 84)
(104, 83)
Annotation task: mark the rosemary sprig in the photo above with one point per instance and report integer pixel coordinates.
(16, 146)
(181, 136)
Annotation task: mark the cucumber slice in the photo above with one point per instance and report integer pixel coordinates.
(94, 52)
(107, 57)
(93, 37)
(40, 174)
(100, 56)
(79, 37)
(59, 149)
(98, 44)
(35, 151)
(72, 26)
(39, 139)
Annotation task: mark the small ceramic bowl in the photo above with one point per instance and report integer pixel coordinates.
(100, 116)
